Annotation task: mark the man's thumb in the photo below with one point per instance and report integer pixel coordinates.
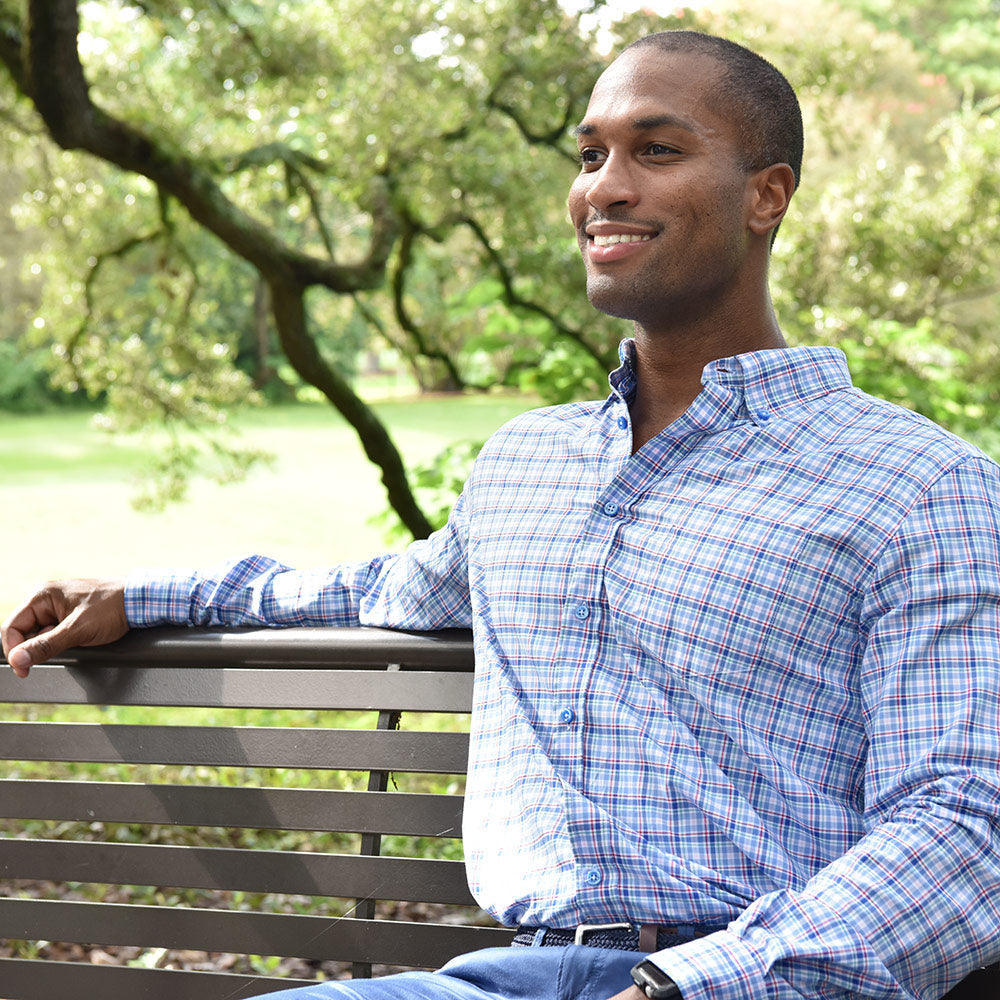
(20, 660)
(39, 648)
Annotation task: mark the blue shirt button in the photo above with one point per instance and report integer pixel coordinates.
(762, 416)
(623, 423)
(611, 508)
(592, 876)
(566, 716)
(582, 612)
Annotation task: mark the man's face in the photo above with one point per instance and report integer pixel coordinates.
(660, 204)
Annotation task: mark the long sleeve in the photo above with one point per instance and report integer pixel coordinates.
(915, 905)
(424, 588)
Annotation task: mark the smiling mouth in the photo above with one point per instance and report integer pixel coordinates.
(613, 238)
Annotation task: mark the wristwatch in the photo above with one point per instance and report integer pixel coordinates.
(657, 985)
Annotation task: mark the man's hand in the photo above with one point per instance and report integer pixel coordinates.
(62, 614)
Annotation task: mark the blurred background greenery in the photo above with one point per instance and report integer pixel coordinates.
(329, 229)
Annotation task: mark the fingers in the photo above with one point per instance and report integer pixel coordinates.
(62, 614)
(28, 620)
(48, 643)
(22, 624)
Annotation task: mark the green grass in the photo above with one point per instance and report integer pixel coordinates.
(67, 487)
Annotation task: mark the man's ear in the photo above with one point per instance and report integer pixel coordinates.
(770, 190)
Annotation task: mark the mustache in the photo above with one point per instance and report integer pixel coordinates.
(619, 219)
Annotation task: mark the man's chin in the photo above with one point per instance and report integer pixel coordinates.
(612, 297)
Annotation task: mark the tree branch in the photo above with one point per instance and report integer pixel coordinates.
(50, 72)
(93, 273)
(553, 138)
(515, 300)
(403, 317)
(268, 153)
(301, 351)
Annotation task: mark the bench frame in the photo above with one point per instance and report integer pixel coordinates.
(357, 670)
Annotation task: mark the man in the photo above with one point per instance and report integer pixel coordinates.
(737, 627)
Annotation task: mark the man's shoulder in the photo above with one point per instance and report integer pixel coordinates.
(885, 432)
(563, 419)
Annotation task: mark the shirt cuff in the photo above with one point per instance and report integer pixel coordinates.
(158, 598)
(717, 967)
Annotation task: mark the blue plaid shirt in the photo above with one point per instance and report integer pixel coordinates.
(747, 677)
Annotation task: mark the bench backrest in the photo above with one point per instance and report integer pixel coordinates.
(76, 846)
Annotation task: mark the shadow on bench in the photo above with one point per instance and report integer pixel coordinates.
(109, 810)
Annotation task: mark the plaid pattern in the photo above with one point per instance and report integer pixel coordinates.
(747, 675)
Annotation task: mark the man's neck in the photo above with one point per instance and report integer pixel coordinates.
(669, 368)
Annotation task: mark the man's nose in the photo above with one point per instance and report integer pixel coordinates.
(614, 185)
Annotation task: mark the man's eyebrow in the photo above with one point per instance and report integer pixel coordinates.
(644, 124)
(671, 121)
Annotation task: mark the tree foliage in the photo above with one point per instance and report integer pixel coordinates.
(235, 187)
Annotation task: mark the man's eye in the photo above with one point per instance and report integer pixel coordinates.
(661, 149)
(590, 157)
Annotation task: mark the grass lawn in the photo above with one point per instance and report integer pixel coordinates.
(66, 491)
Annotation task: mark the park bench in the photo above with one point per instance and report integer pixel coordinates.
(87, 844)
(76, 846)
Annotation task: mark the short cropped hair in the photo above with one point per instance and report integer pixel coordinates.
(764, 106)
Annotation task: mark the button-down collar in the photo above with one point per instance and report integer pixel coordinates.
(758, 384)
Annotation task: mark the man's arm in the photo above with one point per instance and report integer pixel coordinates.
(914, 905)
(632, 993)
(424, 588)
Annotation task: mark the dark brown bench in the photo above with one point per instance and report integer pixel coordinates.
(68, 872)
(73, 848)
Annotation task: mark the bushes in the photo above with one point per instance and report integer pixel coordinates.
(24, 380)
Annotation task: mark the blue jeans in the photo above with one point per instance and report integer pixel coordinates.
(575, 972)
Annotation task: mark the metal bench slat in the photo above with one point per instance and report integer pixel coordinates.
(173, 646)
(238, 687)
(317, 938)
(27, 979)
(237, 746)
(407, 813)
(292, 872)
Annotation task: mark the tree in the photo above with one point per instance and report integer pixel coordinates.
(959, 40)
(336, 193)
(401, 169)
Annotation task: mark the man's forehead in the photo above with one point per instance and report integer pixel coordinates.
(647, 87)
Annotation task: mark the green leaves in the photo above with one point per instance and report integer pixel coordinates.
(443, 128)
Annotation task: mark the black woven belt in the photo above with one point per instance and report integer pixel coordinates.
(621, 937)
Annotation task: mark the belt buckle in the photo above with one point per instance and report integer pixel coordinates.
(583, 930)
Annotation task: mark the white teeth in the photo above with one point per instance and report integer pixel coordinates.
(606, 241)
